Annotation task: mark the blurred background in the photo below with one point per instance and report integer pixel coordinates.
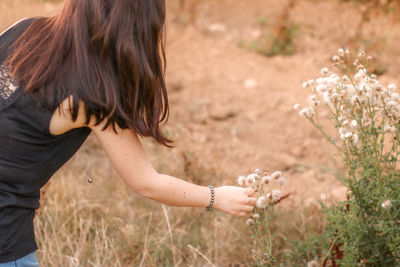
(235, 70)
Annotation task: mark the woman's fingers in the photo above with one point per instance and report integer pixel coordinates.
(249, 191)
(248, 200)
(247, 204)
(235, 200)
(248, 208)
(251, 201)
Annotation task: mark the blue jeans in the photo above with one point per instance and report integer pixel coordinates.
(29, 260)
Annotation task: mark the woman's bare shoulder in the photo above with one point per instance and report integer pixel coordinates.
(61, 120)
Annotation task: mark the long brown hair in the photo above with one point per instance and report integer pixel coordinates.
(108, 54)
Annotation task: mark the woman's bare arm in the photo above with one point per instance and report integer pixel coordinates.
(131, 163)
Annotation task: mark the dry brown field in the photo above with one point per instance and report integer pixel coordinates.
(231, 112)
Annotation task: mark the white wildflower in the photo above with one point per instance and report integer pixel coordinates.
(324, 71)
(276, 175)
(281, 181)
(262, 202)
(335, 58)
(387, 204)
(360, 75)
(312, 263)
(313, 98)
(355, 139)
(257, 171)
(341, 52)
(345, 78)
(377, 87)
(321, 88)
(349, 89)
(354, 99)
(266, 179)
(305, 84)
(250, 221)
(327, 98)
(303, 112)
(333, 79)
(391, 103)
(296, 107)
(362, 101)
(363, 87)
(396, 97)
(241, 180)
(251, 180)
(392, 87)
(391, 129)
(276, 195)
(335, 97)
(321, 81)
(307, 112)
(354, 123)
(256, 216)
(348, 135)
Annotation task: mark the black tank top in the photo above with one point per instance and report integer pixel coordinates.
(29, 155)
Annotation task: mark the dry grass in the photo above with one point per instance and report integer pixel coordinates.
(105, 224)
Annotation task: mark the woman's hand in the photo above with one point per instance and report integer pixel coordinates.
(234, 200)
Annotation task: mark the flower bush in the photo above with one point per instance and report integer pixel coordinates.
(268, 193)
(364, 229)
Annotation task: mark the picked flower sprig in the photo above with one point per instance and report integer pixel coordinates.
(268, 189)
(268, 186)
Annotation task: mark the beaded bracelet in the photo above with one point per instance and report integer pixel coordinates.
(212, 198)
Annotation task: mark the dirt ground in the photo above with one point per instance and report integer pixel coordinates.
(231, 108)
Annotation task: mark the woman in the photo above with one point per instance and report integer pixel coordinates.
(97, 66)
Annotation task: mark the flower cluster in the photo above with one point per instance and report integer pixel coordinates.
(365, 116)
(355, 102)
(268, 192)
(387, 204)
(268, 189)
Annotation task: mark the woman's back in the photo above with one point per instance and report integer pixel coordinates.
(29, 155)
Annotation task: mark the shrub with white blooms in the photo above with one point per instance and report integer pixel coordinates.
(268, 193)
(366, 117)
